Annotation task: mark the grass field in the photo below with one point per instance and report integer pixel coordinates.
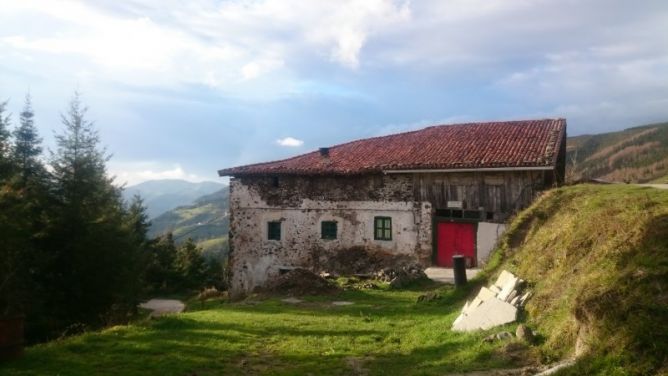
(596, 258)
(383, 332)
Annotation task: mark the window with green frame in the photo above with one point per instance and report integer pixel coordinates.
(328, 230)
(274, 230)
(382, 228)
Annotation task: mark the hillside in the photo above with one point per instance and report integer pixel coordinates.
(597, 260)
(163, 195)
(206, 221)
(636, 155)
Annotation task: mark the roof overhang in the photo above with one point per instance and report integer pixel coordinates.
(483, 169)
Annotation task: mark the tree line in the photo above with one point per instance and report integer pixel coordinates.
(73, 254)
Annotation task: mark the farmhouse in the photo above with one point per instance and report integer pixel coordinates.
(425, 195)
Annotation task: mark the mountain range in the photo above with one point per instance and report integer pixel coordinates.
(162, 195)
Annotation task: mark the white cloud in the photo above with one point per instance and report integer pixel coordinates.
(290, 142)
(136, 172)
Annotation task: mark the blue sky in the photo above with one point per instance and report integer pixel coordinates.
(181, 89)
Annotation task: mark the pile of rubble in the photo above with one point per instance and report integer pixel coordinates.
(300, 282)
(494, 305)
(401, 276)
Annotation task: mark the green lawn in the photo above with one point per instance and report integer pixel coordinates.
(385, 332)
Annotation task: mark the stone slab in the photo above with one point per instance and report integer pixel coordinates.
(508, 288)
(291, 300)
(342, 303)
(485, 294)
(489, 314)
(504, 277)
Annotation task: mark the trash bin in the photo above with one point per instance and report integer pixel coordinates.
(459, 265)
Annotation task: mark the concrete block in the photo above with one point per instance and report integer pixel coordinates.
(504, 277)
(508, 288)
(489, 314)
(485, 294)
(515, 301)
(513, 295)
(495, 288)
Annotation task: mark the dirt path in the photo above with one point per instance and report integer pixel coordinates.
(447, 275)
(163, 306)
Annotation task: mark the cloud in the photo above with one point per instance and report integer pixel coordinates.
(132, 173)
(290, 142)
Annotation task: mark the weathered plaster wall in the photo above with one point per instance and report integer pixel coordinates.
(301, 204)
(486, 239)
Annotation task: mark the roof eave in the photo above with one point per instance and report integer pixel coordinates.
(479, 169)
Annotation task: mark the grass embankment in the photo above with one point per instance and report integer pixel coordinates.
(597, 257)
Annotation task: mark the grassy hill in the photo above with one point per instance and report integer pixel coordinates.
(206, 221)
(637, 155)
(597, 258)
(163, 195)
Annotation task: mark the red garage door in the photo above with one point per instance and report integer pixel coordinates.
(454, 239)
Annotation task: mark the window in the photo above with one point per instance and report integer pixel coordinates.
(328, 230)
(382, 228)
(274, 230)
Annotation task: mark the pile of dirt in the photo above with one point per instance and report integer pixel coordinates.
(301, 282)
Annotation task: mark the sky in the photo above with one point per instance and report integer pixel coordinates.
(181, 89)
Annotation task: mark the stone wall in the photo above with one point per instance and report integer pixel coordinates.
(300, 204)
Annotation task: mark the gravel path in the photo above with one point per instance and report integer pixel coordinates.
(163, 306)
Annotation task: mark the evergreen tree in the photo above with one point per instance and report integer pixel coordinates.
(5, 166)
(191, 265)
(93, 271)
(27, 149)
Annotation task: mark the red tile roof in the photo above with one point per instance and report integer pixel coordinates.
(525, 143)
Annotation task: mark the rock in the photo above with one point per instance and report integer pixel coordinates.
(342, 303)
(291, 300)
(490, 338)
(515, 301)
(524, 333)
(504, 336)
(428, 297)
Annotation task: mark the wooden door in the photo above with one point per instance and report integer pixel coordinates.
(454, 238)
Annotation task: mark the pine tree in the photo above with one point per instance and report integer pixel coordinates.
(27, 149)
(5, 166)
(93, 272)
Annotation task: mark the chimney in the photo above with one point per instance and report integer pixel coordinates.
(324, 152)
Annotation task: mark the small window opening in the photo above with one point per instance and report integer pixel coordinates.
(274, 181)
(382, 228)
(490, 216)
(274, 230)
(328, 230)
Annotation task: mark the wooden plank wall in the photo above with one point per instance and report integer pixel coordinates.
(499, 192)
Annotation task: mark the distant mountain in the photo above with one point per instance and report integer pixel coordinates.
(206, 221)
(163, 195)
(634, 155)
